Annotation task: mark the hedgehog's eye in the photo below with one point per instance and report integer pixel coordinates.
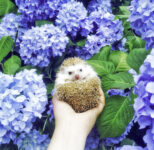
(70, 73)
(81, 70)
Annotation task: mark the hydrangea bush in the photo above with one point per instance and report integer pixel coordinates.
(37, 35)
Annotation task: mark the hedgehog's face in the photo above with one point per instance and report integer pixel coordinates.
(77, 72)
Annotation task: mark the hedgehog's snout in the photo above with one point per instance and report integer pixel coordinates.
(77, 77)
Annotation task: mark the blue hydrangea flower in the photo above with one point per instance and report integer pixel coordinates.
(50, 112)
(144, 103)
(120, 92)
(39, 9)
(119, 45)
(70, 17)
(130, 147)
(39, 44)
(22, 100)
(105, 31)
(141, 19)
(9, 26)
(92, 140)
(32, 141)
(103, 5)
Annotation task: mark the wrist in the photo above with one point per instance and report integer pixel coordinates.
(68, 136)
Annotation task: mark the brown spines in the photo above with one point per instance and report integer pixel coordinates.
(81, 95)
(71, 61)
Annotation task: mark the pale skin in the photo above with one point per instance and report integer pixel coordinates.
(71, 128)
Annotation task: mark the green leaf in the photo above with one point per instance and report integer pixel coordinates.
(103, 54)
(12, 65)
(121, 80)
(122, 17)
(50, 88)
(39, 23)
(136, 58)
(124, 10)
(81, 43)
(135, 42)
(117, 114)
(119, 60)
(6, 6)
(102, 67)
(6, 44)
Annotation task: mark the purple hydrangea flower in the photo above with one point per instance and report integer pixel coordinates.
(22, 99)
(144, 103)
(39, 44)
(32, 141)
(92, 140)
(142, 18)
(39, 9)
(130, 147)
(70, 17)
(103, 5)
(105, 31)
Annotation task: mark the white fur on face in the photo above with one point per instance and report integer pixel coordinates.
(67, 74)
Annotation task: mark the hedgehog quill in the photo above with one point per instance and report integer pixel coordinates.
(78, 84)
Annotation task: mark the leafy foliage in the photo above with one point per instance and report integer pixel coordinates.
(6, 44)
(102, 67)
(136, 58)
(115, 117)
(12, 65)
(103, 54)
(121, 80)
(6, 6)
(119, 60)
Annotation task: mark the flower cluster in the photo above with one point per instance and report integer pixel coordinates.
(39, 44)
(144, 103)
(39, 9)
(141, 19)
(9, 25)
(22, 99)
(70, 16)
(104, 5)
(32, 141)
(105, 31)
(131, 147)
(92, 140)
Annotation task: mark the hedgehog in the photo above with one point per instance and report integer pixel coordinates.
(78, 84)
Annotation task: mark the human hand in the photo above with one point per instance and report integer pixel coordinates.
(64, 113)
(71, 128)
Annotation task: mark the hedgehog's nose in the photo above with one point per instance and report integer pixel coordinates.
(77, 77)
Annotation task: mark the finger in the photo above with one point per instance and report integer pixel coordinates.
(101, 105)
(62, 106)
